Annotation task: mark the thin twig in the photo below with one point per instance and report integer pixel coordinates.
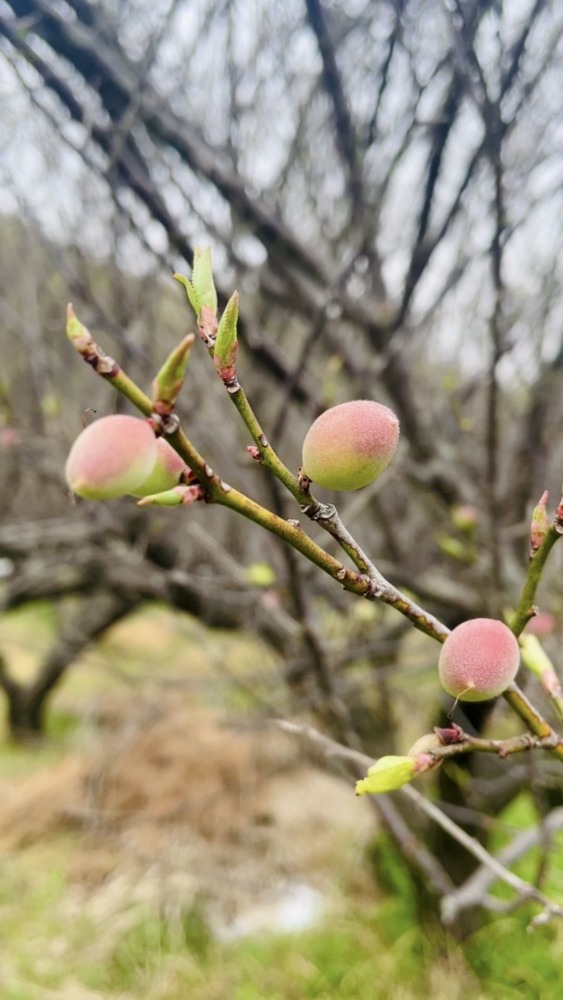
(525, 610)
(525, 890)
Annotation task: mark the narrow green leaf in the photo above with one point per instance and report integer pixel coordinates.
(191, 293)
(202, 279)
(534, 656)
(226, 342)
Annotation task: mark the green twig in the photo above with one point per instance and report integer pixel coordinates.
(525, 609)
(533, 719)
(370, 585)
(328, 518)
(368, 582)
(104, 365)
(266, 454)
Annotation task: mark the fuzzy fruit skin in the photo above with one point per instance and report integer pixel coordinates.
(166, 471)
(350, 445)
(111, 457)
(478, 660)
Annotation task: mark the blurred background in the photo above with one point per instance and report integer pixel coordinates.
(381, 180)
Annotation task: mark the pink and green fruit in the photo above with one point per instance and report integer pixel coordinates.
(478, 660)
(112, 457)
(166, 473)
(350, 445)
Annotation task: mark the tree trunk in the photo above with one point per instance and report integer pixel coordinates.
(26, 714)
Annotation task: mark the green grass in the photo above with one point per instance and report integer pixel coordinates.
(61, 938)
(369, 951)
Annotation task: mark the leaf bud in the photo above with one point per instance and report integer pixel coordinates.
(386, 775)
(167, 385)
(540, 524)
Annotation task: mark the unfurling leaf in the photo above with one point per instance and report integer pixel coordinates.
(386, 775)
(191, 293)
(202, 279)
(173, 498)
(201, 289)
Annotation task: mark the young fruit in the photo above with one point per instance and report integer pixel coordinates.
(349, 445)
(166, 471)
(478, 660)
(113, 456)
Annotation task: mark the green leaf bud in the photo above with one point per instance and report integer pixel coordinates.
(386, 775)
(173, 498)
(226, 344)
(167, 385)
(201, 289)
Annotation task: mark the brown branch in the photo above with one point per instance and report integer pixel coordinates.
(7, 683)
(464, 743)
(523, 889)
(78, 44)
(416, 853)
(93, 618)
(327, 703)
(345, 132)
(392, 42)
(518, 49)
(473, 892)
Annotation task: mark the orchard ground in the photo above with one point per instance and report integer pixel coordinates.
(163, 844)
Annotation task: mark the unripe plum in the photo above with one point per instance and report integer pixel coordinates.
(478, 660)
(166, 471)
(111, 457)
(351, 444)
